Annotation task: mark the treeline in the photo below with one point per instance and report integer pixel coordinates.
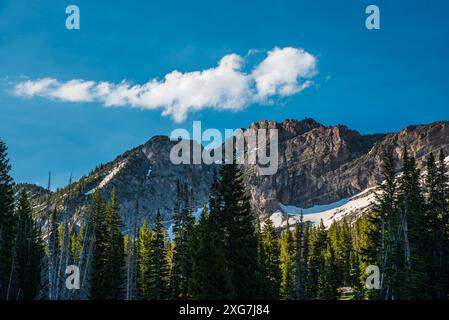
(20, 241)
(227, 253)
(407, 234)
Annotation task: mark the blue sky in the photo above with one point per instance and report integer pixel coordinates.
(370, 80)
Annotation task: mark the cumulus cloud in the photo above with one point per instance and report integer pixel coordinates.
(283, 72)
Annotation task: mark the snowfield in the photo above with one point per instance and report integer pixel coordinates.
(109, 177)
(329, 213)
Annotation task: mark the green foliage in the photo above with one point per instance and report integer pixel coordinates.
(116, 256)
(270, 259)
(28, 252)
(7, 223)
(183, 226)
(158, 268)
(240, 238)
(287, 260)
(143, 262)
(107, 274)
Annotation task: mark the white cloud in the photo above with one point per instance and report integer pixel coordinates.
(284, 72)
(227, 86)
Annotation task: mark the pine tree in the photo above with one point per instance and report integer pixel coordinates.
(158, 280)
(240, 237)
(299, 280)
(28, 251)
(303, 280)
(442, 202)
(270, 260)
(210, 275)
(411, 279)
(327, 284)
(144, 262)
(132, 256)
(201, 253)
(287, 260)
(7, 222)
(116, 255)
(183, 225)
(344, 252)
(318, 238)
(64, 259)
(100, 275)
(356, 277)
(52, 256)
(382, 247)
(366, 251)
(435, 231)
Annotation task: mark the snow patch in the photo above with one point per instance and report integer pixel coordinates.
(109, 177)
(314, 209)
(328, 213)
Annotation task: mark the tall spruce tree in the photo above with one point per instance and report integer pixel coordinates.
(442, 202)
(116, 254)
(100, 276)
(356, 277)
(7, 222)
(411, 279)
(299, 235)
(270, 260)
(28, 252)
(183, 225)
(305, 264)
(144, 262)
(210, 275)
(327, 285)
(382, 246)
(202, 252)
(158, 261)
(318, 243)
(287, 261)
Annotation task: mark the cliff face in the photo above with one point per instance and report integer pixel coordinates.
(317, 165)
(321, 165)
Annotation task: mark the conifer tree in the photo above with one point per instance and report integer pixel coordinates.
(442, 202)
(270, 260)
(411, 278)
(116, 255)
(100, 275)
(299, 230)
(201, 251)
(356, 277)
(287, 260)
(344, 252)
(304, 264)
(52, 256)
(7, 222)
(144, 262)
(28, 251)
(318, 238)
(382, 243)
(240, 237)
(210, 275)
(131, 251)
(158, 280)
(74, 248)
(327, 288)
(183, 224)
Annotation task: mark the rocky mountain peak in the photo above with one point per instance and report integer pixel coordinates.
(318, 165)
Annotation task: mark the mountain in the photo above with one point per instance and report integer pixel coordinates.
(324, 164)
(318, 165)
